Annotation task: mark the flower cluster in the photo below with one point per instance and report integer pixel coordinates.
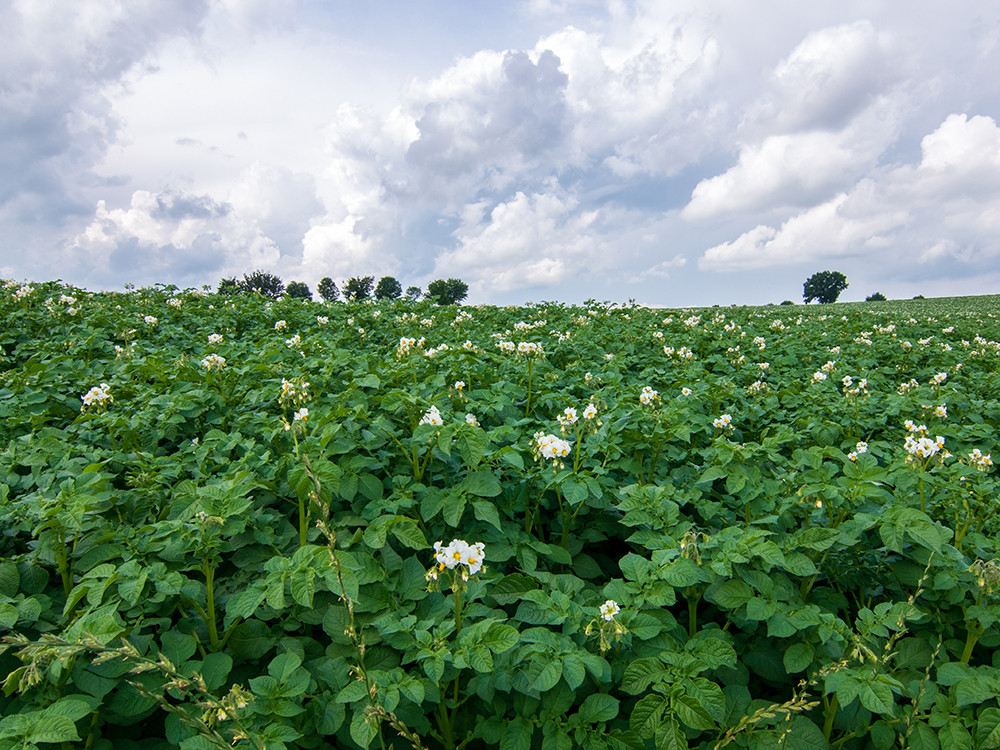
(322, 320)
(922, 447)
(854, 391)
(648, 396)
(981, 462)
(214, 338)
(757, 388)
(723, 422)
(150, 320)
(609, 609)
(279, 325)
(470, 419)
(174, 302)
(294, 391)
(458, 554)
(567, 418)
(98, 397)
(606, 623)
(819, 376)
(407, 345)
(213, 362)
(432, 417)
(530, 349)
(295, 342)
(861, 447)
(939, 379)
(549, 447)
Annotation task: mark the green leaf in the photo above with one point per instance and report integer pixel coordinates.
(500, 638)
(954, 736)
(988, 729)
(8, 615)
(922, 737)
(487, 511)
(798, 657)
(302, 584)
(363, 730)
(46, 727)
(250, 640)
(691, 712)
(215, 669)
(598, 707)
(511, 588)
(642, 673)
(647, 714)
(549, 674)
(731, 594)
(805, 735)
(177, 646)
(482, 484)
(876, 697)
(454, 507)
(408, 532)
(517, 735)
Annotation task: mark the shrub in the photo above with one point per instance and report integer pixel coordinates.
(263, 283)
(328, 289)
(298, 290)
(877, 297)
(388, 288)
(787, 302)
(824, 286)
(358, 288)
(447, 292)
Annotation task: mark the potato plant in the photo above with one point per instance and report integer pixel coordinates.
(252, 523)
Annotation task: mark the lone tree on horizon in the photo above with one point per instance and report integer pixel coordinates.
(824, 286)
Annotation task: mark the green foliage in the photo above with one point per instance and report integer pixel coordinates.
(388, 288)
(298, 290)
(198, 563)
(327, 289)
(358, 288)
(262, 283)
(413, 293)
(824, 286)
(876, 297)
(228, 287)
(447, 291)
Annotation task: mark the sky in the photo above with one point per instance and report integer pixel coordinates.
(681, 153)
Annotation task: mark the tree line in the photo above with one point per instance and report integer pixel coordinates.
(355, 289)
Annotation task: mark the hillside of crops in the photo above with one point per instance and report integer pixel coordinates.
(234, 522)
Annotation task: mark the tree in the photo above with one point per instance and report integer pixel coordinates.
(447, 292)
(328, 289)
(298, 290)
(824, 286)
(877, 297)
(413, 293)
(263, 283)
(229, 287)
(388, 288)
(358, 288)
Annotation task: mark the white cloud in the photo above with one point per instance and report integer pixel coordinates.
(947, 205)
(528, 241)
(794, 169)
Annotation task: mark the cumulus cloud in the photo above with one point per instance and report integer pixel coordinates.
(57, 120)
(947, 205)
(531, 240)
(198, 239)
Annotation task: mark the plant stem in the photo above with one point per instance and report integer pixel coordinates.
(831, 714)
(209, 570)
